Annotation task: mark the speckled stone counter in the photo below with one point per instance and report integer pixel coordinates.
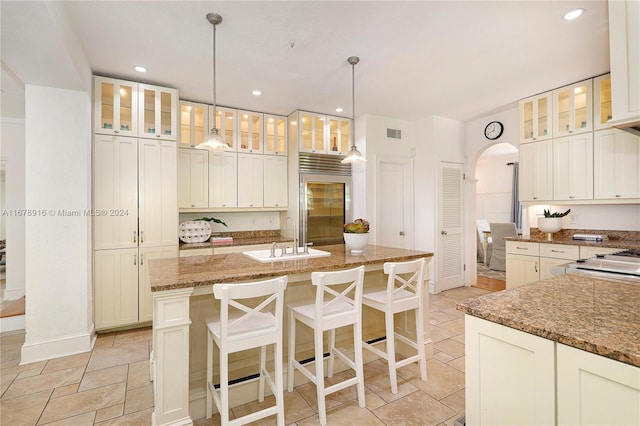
(597, 315)
(616, 239)
(241, 238)
(185, 272)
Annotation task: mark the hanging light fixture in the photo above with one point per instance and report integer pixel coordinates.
(353, 156)
(214, 140)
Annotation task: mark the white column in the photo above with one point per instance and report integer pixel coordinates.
(471, 241)
(59, 303)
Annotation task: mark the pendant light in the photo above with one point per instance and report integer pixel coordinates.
(214, 140)
(353, 156)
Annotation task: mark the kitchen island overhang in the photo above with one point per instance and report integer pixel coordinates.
(182, 298)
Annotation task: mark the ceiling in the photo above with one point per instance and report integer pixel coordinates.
(456, 59)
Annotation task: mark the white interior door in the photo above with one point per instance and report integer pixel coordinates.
(450, 252)
(394, 200)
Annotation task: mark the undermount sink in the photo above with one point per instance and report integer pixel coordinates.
(264, 256)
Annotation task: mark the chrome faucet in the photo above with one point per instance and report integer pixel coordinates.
(295, 235)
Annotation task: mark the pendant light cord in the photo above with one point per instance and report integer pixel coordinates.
(214, 76)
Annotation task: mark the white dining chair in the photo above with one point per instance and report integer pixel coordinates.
(250, 325)
(332, 309)
(404, 293)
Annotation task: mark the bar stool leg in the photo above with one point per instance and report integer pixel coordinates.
(420, 343)
(224, 388)
(391, 350)
(292, 352)
(357, 357)
(319, 361)
(332, 347)
(279, 383)
(209, 411)
(263, 368)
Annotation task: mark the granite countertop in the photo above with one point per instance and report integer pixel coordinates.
(597, 315)
(194, 271)
(241, 238)
(623, 244)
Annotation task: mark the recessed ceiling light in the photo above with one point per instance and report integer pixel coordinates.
(140, 69)
(256, 93)
(339, 109)
(573, 14)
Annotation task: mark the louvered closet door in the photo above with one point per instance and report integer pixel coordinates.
(450, 241)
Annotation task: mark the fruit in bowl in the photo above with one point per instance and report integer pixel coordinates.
(358, 226)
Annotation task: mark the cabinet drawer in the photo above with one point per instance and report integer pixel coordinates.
(522, 247)
(560, 251)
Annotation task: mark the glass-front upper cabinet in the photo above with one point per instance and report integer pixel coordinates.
(275, 135)
(313, 132)
(249, 132)
(158, 112)
(573, 108)
(194, 123)
(535, 118)
(116, 103)
(339, 135)
(225, 122)
(602, 110)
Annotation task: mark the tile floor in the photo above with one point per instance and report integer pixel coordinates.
(110, 385)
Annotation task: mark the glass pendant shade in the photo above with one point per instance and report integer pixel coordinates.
(214, 142)
(353, 156)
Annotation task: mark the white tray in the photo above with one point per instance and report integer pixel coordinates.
(194, 231)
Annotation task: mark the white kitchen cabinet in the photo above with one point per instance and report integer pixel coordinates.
(250, 180)
(535, 118)
(115, 192)
(339, 135)
(157, 193)
(275, 181)
(594, 390)
(536, 171)
(193, 178)
(157, 112)
(602, 109)
(616, 165)
(249, 131)
(194, 123)
(573, 109)
(589, 251)
(225, 122)
(509, 375)
(145, 297)
(115, 109)
(312, 132)
(115, 287)
(573, 167)
(275, 135)
(223, 179)
(556, 254)
(522, 263)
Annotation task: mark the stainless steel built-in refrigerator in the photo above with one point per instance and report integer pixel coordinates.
(325, 204)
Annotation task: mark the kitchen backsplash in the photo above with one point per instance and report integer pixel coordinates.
(568, 233)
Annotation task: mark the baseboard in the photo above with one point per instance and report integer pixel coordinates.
(56, 348)
(12, 323)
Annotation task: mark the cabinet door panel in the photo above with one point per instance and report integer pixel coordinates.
(536, 171)
(522, 270)
(573, 167)
(223, 180)
(616, 165)
(158, 193)
(275, 181)
(115, 190)
(116, 107)
(115, 287)
(193, 178)
(158, 112)
(250, 180)
(145, 299)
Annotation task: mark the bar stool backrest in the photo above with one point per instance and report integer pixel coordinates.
(342, 306)
(405, 282)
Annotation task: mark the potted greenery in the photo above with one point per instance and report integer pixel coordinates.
(551, 222)
(356, 235)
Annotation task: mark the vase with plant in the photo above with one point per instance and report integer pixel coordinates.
(356, 235)
(551, 222)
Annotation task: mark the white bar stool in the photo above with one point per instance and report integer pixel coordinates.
(332, 309)
(249, 327)
(402, 294)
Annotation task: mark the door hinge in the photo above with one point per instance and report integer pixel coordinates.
(464, 267)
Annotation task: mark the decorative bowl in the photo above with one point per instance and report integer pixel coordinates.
(194, 231)
(550, 224)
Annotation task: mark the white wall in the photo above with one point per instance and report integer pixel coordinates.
(603, 217)
(493, 190)
(59, 299)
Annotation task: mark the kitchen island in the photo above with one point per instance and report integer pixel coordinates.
(182, 298)
(561, 351)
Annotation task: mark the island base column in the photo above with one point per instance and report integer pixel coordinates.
(170, 357)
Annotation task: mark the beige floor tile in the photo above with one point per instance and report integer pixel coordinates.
(381, 386)
(417, 408)
(118, 355)
(457, 363)
(65, 390)
(6, 380)
(10, 356)
(105, 340)
(438, 333)
(443, 380)
(459, 338)
(309, 393)
(450, 421)
(85, 419)
(372, 400)
(106, 376)
(109, 412)
(455, 401)
(13, 367)
(345, 414)
(254, 406)
(30, 373)
(440, 317)
(138, 375)
(295, 407)
(443, 357)
(134, 419)
(213, 421)
(454, 312)
(138, 399)
(451, 347)
(12, 338)
(456, 325)
(445, 303)
(375, 368)
(66, 362)
(23, 410)
(83, 402)
(129, 336)
(43, 382)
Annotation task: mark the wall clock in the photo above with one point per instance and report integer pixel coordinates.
(493, 130)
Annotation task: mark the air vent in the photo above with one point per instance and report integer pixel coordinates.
(323, 164)
(394, 133)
